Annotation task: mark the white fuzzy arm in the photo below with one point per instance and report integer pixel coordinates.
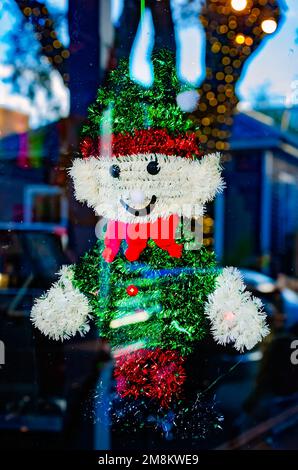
(235, 315)
(63, 311)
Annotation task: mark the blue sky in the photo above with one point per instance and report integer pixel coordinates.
(277, 62)
(275, 65)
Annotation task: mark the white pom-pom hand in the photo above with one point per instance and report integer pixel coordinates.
(63, 311)
(235, 315)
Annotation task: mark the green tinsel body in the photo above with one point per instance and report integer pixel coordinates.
(172, 291)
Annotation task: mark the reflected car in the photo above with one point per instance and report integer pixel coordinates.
(274, 298)
(29, 261)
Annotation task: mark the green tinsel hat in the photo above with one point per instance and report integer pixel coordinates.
(142, 120)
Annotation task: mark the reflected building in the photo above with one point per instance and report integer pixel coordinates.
(256, 219)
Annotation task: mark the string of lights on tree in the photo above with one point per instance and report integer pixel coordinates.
(234, 30)
(51, 47)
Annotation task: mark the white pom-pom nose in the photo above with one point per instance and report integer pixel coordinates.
(137, 196)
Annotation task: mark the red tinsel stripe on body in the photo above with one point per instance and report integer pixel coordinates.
(144, 141)
(155, 374)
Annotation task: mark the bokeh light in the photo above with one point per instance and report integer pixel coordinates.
(240, 39)
(269, 26)
(239, 5)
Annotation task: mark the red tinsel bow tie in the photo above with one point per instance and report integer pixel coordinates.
(162, 231)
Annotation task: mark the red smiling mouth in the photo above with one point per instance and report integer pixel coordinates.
(140, 212)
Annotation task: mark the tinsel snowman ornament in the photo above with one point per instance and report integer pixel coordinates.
(150, 294)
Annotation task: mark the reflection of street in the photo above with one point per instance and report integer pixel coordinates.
(89, 386)
(32, 379)
(259, 399)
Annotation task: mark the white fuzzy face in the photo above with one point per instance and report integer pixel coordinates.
(143, 187)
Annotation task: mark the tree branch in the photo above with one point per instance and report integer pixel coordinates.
(38, 15)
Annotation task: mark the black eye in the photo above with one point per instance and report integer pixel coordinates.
(153, 167)
(115, 171)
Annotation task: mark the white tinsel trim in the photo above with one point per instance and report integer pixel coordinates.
(63, 311)
(236, 316)
(180, 183)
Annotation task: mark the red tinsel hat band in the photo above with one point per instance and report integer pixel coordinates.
(144, 141)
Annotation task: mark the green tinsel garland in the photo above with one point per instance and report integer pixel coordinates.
(137, 107)
(175, 300)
